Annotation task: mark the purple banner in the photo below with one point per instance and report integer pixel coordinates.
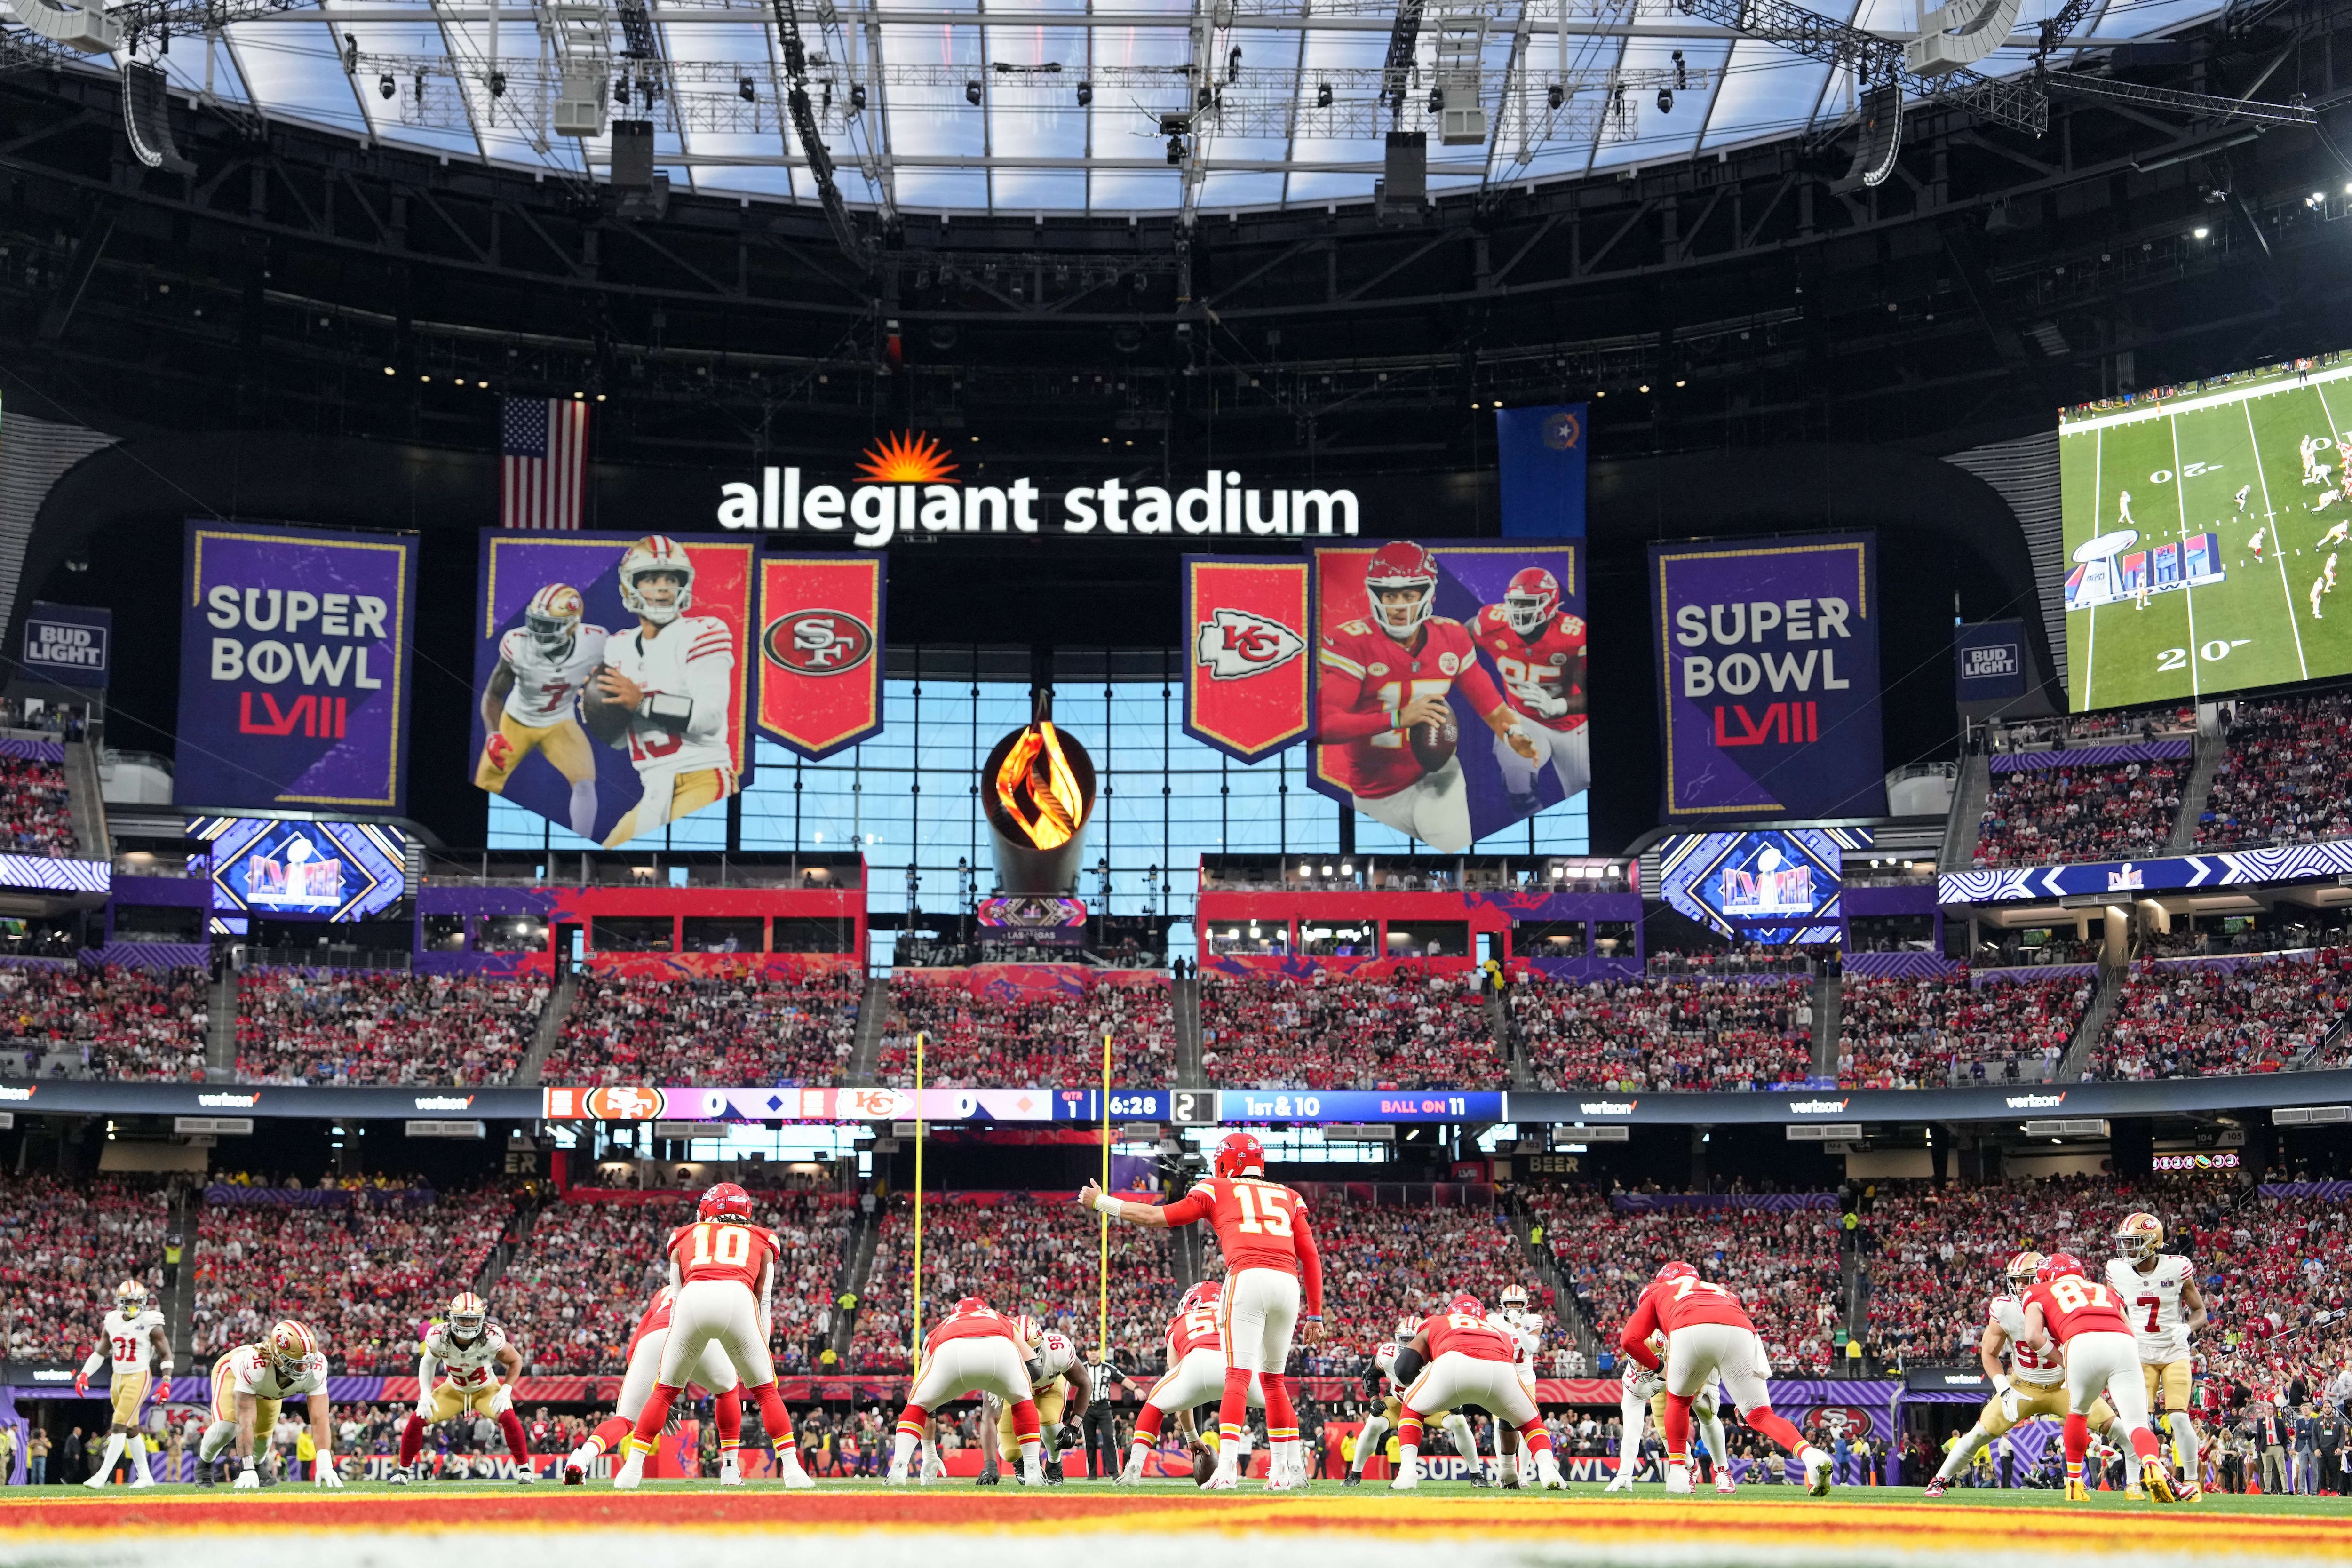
(294, 686)
(2089, 756)
(149, 954)
(1764, 1202)
(2327, 1191)
(1767, 677)
(1905, 965)
(1981, 978)
(220, 1194)
(32, 751)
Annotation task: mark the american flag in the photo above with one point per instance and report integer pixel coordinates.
(543, 462)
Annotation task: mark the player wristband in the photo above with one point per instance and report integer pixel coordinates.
(1106, 1204)
(248, 1463)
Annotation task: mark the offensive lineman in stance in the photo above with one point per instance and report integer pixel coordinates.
(975, 1347)
(1270, 1263)
(1456, 1357)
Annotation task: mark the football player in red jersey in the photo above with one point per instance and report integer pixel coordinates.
(637, 1384)
(2084, 1318)
(1196, 1373)
(974, 1347)
(1381, 675)
(1458, 1357)
(1270, 1263)
(721, 1270)
(1539, 653)
(1707, 1333)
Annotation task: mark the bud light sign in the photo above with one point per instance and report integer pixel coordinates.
(1989, 662)
(1767, 677)
(69, 643)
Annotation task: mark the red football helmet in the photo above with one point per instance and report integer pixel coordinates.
(2057, 1266)
(1467, 1304)
(1241, 1155)
(1671, 1271)
(966, 1306)
(1530, 601)
(1204, 1294)
(1399, 566)
(725, 1200)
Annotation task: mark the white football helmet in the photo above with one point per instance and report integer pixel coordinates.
(657, 552)
(467, 1314)
(131, 1297)
(552, 618)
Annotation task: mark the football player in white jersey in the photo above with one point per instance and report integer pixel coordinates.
(2160, 1295)
(1512, 1315)
(464, 1364)
(673, 678)
(531, 702)
(1375, 1428)
(129, 1334)
(251, 1382)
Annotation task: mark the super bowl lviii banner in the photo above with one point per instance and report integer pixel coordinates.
(1768, 676)
(1245, 672)
(611, 678)
(821, 650)
(1450, 684)
(294, 685)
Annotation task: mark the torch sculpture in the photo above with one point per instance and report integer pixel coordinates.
(1038, 789)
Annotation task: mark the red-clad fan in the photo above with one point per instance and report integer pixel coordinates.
(1270, 1261)
(1539, 653)
(1707, 1333)
(723, 1269)
(975, 1347)
(1379, 677)
(2081, 1316)
(1196, 1373)
(1458, 1358)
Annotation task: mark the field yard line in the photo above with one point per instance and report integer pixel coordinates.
(2187, 594)
(2286, 589)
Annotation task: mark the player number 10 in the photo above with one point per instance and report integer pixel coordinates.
(734, 1246)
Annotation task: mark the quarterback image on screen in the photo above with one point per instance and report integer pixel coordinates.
(663, 691)
(1539, 653)
(1382, 717)
(533, 698)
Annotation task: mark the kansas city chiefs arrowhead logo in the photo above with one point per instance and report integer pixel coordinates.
(1236, 645)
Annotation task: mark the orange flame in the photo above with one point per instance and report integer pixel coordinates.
(1034, 768)
(908, 458)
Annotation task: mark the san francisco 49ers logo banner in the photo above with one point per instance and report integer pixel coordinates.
(1246, 654)
(821, 651)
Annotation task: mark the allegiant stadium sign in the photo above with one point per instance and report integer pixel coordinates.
(910, 487)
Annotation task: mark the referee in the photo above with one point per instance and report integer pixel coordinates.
(1100, 1423)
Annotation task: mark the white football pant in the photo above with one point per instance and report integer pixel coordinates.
(1260, 1313)
(1433, 808)
(2107, 1362)
(714, 1373)
(1698, 1351)
(1198, 1379)
(723, 1312)
(1455, 1379)
(993, 1365)
(1570, 754)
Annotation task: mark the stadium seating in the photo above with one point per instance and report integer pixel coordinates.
(2045, 816)
(357, 1025)
(115, 1023)
(1382, 1262)
(64, 1246)
(571, 1296)
(1405, 1030)
(367, 1275)
(1914, 1032)
(2196, 1020)
(747, 1029)
(36, 808)
(2283, 777)
(1660, 1034)
(971, 1038)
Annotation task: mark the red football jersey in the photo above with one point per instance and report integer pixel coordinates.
(2071, 1305)
(1192, 1331)
(713, 1249)
(1366, 678)
(654, 1322)
(1678, 1304)
(1474, 1337)
(1552, 660)
(1259, 1224)
(985, 1323)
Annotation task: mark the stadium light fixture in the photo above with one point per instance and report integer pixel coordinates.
(2201, 231)
(389, 371)
(1644, 387)
(385, 87)
(1681, 383)
(972, 94)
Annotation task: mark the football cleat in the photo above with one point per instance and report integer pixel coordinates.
(1821, 1470)
(796, 1478)
(1935, 1488)
(1281, 1481)
(2186, 1490)
(1220, 1482)
(1130, 1472)
(1678, 1480)
(632, 1473)
(398, 1477)
(1724, 1485)
(1354, 1478)
(2159, 1484)
(1477, 1477)
(730, 1470)
(1618, 1483)
(526, 1474)
(575, 1473)
(1408, 1479)
(896, 1475)
(2077, 1492)
(2134, 1493)
(1547, 1476)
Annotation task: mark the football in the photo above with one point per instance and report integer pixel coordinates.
(1204, 1463)
(1433, 744)
(605, 719)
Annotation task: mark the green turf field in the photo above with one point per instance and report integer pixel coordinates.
(2183, 463)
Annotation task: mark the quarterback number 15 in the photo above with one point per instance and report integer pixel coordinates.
(1273, 1222)
(1395, 698)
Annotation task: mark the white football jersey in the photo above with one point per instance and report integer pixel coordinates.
(1524, 1331)
(1054, 1354)
(252, 1371)
(2152, 1302)
(545, 688)
(694, 658)
(2043, 1367)
(467, 1365)
(127, 1341)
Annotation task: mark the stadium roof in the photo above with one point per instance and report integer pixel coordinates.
(1058, 107)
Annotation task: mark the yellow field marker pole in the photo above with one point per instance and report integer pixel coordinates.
(918, 1350)
(1102, 1307)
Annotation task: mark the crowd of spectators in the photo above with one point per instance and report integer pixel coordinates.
(1384, 1262)
(2286, 776)
(571, 1296)
(64, 1246)
(366, 1274)
(1912, 1033)
(367, 1025)
(1665, 1034)
(115, 1022)
(2106, 728)
(2043, 816)
(36, 808)
(971, 1037)
(752, 1028)
(1403, 1030)
(2199, 1020)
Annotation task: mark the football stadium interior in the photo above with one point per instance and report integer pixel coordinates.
(1546, 778)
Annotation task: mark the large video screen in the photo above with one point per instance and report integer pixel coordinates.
(1776, 886)
(329, 871)
(2202, 528)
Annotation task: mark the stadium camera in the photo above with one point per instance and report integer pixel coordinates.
(1555, 95)
(1179, 1167)
(1665, 100)
(385, 87)
(1323, 95)
(857, 97)
(972, 94)
(1682, 72)
(1175, 150)
(1086, 93)
(497, 84)
(744, 90)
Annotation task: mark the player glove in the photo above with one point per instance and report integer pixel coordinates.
(1648, 1385)
(163, 1389)
(2009, 1402)
(502, 1401)
(323, 1472)
(1543, 704)
(248, 1479)
(499, 753)
(81, 1383)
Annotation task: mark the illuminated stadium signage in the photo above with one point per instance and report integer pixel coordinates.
(330, 870)
(1771, 886)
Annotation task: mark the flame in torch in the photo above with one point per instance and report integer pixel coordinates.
(1036, 789)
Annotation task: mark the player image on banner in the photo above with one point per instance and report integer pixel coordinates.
(1418, 647)
(611, 678)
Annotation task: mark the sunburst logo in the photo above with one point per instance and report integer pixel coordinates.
(908, 458)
